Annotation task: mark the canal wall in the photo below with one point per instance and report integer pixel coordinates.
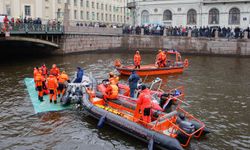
(128, 43)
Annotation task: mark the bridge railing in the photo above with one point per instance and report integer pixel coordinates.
(93, 30)
(24, 28)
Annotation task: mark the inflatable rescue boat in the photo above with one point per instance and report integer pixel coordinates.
(170, 129)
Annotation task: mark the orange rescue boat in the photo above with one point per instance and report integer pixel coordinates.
(173, 66)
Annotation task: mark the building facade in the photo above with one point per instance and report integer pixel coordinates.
(81, 11)
(228, 13)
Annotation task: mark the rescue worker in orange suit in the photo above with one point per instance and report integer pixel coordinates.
(61, 83)
(39, 84)
(160, 59)
(44, 70)
(113, 78)
(111, 92)
(55, 70)
(52, 86)
(35, 72)
(137, 60)
(144, 103)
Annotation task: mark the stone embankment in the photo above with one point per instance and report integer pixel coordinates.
(71, 43)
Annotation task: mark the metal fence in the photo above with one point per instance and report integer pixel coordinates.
(33, 28)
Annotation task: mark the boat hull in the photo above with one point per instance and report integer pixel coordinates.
(147, 70)
(131, 128)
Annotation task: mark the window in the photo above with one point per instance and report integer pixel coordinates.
(102, 16)
(68, 1)
(106, 17)
(87, 3)
(59, 1)
(106, 7)
(234, 16)
(213, 17)
(117, 18)
(81, 14)
(97, 16)
(27, 10)
(75, 2)
(114, 9)
(113, 18)
(144, 17)
(191, 17)
(93, 4)
(110, 8)
(75, 14)
(101, 6)
(110, 17)
(97, 5)
(58, 13)
(8, 10)
(167, 15)
(81, 3)
(87, 15)
(93, 15)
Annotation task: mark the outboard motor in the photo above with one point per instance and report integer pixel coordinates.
(188, 127)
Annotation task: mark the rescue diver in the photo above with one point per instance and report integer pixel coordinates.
(62, 79)
(133, 81)
(144, 103)
(52, 86)
(79, 74)
(137, 60)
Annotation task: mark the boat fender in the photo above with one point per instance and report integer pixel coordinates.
(101, 122)
(151, 144)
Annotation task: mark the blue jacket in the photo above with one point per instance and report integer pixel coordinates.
(79, 75)
(133, 79)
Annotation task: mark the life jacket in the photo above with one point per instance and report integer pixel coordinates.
(52, 82)
(137, 59)
(114, 80)
(55, 71)
(38, 79)
(35, 72)
(63, 77)
(144, 99)
(44, 70)
(112, 91)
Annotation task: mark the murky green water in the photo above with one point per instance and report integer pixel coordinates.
(217, 88)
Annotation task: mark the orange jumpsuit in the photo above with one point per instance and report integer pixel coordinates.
(114, 80)
(137, 61)
(144, 103)
(55, 71)
(52, 86)
(160, 58)
(39, 83)
(111, 92)
(61, 80)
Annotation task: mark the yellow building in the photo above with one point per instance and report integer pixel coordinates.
(81, 11)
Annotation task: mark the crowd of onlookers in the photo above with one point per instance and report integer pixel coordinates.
(28, 23)
(225, 32)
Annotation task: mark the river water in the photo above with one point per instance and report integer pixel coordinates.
(217, 88)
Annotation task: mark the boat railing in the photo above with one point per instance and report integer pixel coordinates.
(175, 127)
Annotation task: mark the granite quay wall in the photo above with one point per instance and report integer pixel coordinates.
(128, 43)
